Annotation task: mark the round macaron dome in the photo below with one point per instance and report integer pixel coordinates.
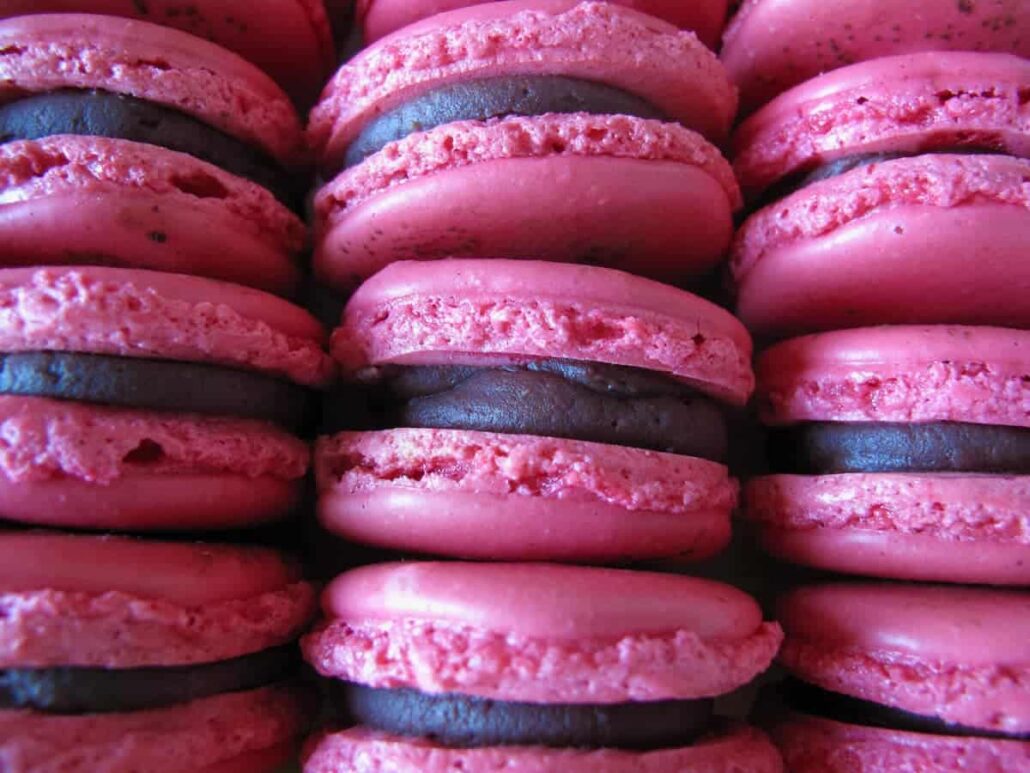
(527, 410)
(260, 31)
(895, 677)
(553, 129)
(535, 667)
(133, 399)
(899, 452)
(773, 45)
(381, 17)
(120, 654)
(127, 143)
(892, 191)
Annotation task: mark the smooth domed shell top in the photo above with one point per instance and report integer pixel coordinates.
(492, 311)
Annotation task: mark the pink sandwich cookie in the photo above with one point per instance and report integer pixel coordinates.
(894, 191)
(119, 655)
(535, 667)
(288, 39)
(773, 45)
(133, 399)
(893, 677)
(531, 411)
(899, 452)
(126, 143)
(551, 129)
(381, 17)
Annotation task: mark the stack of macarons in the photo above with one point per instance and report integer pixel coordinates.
(890, 220)
(548, 129)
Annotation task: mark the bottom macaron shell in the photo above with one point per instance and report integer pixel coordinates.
(215, 734)
(493, 495)
(661, 219)
(361, 750)
(815, 745)
(946, 527)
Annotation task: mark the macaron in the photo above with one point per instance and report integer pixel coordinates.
(772, 45)
(126, 143)
(896, 677)
(535, 667)
(899, 452)
(891, 191)
(549, 129)
(527, 410)
(381, 17)
(134, 399)
(120, 654)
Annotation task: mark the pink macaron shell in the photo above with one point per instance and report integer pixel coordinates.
(257, 30)
(916, 224)
(488, 495)
(506, 528)
(960, 654)
(908, 103)
(361, 750)
(142, 205)
(136, 313)
(538, 633)
(938, 527)
(197, 736)
(381, 17)
(592, 40)
(772, 45)
(483, 311)
(615, 189)
(900, 374)
(815, 745)
(166, 66)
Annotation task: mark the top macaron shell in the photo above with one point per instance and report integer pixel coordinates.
(257, 30)
(381, 17)
(594, 41)
(960, 654)
(495, 311)
(772, 45)
(543, 631)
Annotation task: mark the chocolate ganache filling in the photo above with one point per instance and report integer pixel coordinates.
(465, 721)
(105, 114)
(549, 398)
(485, 98)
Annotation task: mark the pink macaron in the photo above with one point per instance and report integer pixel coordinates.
(126, 143)
(133, 399)
(772, 45)
(288, 39)
(535, 667)
(526, 410)
(381, 17)
(120, 655)
(894, 677)
(550, 129)
(893, 191)
(899, 452)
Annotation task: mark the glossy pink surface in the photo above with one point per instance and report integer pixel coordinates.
(536, 632)
(135, 313)
(591, 40)
(480, 311)
(77, 199)
(362, 751)
(904, 373)
(153, 63)
(812, 745)
(960, 654)
(179, 739)
(489, 495)
(772, 45)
